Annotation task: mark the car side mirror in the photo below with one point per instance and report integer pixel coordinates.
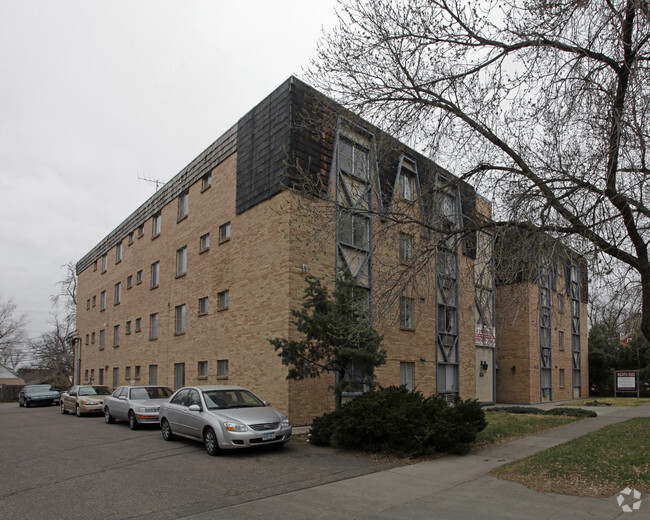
(194, 408)
(266, 403)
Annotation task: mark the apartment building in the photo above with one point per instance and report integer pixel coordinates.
(190, 287)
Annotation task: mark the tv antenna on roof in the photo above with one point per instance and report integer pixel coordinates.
(152, 181)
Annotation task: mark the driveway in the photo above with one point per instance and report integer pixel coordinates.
(61, 466)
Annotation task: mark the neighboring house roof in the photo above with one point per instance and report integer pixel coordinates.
(7, 377)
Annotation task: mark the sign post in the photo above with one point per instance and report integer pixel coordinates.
(626, 382)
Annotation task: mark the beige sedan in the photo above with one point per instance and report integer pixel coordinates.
(84, 399)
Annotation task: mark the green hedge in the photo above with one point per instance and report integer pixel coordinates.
(572, 412)
(394, 420)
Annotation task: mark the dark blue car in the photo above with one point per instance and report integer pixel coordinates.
(38, 394)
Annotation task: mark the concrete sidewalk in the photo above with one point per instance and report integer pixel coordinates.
(450, 487)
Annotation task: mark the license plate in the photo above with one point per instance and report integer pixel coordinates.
(268, 436)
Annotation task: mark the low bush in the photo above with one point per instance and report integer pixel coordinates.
(397, 421)
(573, 412)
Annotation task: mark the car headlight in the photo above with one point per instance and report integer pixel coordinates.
(285, 421)
(234, 427)
(86, 402)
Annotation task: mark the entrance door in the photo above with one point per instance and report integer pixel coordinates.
(485, 371)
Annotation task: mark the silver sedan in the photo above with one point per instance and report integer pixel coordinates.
(135, 404)
(223, 417)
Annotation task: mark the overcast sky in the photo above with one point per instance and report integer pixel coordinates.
(95, 94)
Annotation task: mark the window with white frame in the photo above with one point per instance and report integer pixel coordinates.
(206, 181)
(405, 248)
(102, 339)
(116, 336)
(406, 314)
(127, 329)
(102, 300)
(153, 326)
(156, 225)
(183, 204)
(560, 339)
(180, 319)
(203, 305)
(181, 261)
(223, 300)
(155, 274)
(118, 293)
(129, 281)
(104, 263)
(118, 252)
(222, 368)
(204, 242)
(406, 182)
(138, 277)
(127, 373)
(203, 369)
(138, 324)
(137, 372)
(224, 232)
(407, 375)
(140, 230)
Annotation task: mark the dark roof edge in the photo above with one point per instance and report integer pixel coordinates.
(214, 154)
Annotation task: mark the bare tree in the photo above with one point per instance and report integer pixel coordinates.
(12, 335)
(543, 106)
(54, 350)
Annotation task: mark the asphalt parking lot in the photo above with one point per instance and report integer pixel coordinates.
(55, 466)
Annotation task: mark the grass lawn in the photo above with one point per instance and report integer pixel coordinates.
(504, 426)
(599, 464)
(610, 401)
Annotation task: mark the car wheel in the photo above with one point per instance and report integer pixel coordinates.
(20, 403)
(26, 403)
(211, 442)
(133, 422)
(63, 410)
(166, 430)
(77, 411)
(108, 417)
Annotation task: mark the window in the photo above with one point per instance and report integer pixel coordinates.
(153, 326)
(561, 377)
(87, 339)
(128, 327)
(127, 373)
(156, 225)
(203, 305)
(118, 252)
(88, 304)
(138, 277)
(130, 238)
(86, 374)
(104, 263)
(92, 338)
(102, 300)
(183, 205)
(179, 375)
(181, 261)
(137, 372)
(155, 274)
(101, 340)
(116, 377)
(101, 376)
(129, 281)
(204, 243)
(224, 232)
(153, 374)
(223, 299)
(222, 368)
(206, 181)
(94, 300)
(203, 369)
(95, 265)
(406, 313)
(560, 339)
(405, 248)
(560, 303)
(138, 324)
(407, 375)
(354, 230)
(180, 319)
(353, 160)
(116, 336)
(140, 230)
(406, 186)
(118, 293)
(92, 374)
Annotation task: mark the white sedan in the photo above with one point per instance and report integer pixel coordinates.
(223, 417)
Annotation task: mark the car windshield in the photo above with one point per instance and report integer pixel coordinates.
(221, 399)
(37, 389)
(94, 390)
(150, 392)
